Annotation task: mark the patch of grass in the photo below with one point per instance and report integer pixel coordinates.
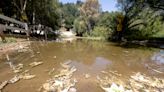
(9, 40)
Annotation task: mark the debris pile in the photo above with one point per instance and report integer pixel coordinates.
(140, 82)
(136, 83)
(61, 82)
(15, 68)
(22, 49)
(20, 74)
(111, 82)
(16, 78)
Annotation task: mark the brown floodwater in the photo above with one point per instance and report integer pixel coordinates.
(89, 57)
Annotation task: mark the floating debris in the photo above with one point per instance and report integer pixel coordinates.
(61, 82)
(3, 84)
(33, 64)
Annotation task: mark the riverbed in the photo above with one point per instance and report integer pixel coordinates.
(89, 57)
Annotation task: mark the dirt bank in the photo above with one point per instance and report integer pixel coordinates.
(13, 44)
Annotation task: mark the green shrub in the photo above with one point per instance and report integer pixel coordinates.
(100, 31)
(80, 26)
(11, 40)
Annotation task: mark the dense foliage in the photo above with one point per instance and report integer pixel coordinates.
(136, 19)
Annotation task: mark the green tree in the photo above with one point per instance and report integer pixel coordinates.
(32, 11)
(90, 10)
(157, 4)
(68, 12)
(89, 13)
(80, 26)
(136, 21)
(43, 12)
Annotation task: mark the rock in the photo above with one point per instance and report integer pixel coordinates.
(72, 90)
(54, 56)
(48, 87)
(87, 76)
(115, 88)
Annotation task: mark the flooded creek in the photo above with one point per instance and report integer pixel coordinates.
(90, 58)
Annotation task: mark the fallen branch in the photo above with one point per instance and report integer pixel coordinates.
(3, 84)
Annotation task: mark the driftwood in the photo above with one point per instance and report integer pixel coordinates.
(3, 84)
(33, 64)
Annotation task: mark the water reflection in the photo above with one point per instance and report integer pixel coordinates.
(158, 57)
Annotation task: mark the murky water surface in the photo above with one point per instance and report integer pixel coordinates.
(89, 57)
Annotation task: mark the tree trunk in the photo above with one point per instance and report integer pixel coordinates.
(2, 34)
(33, 17)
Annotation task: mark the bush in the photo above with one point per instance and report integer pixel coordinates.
(80, 26)
(101, 31)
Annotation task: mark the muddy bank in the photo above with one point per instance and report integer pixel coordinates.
(13, 44)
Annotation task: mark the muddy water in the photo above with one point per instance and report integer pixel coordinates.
(89, 57)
